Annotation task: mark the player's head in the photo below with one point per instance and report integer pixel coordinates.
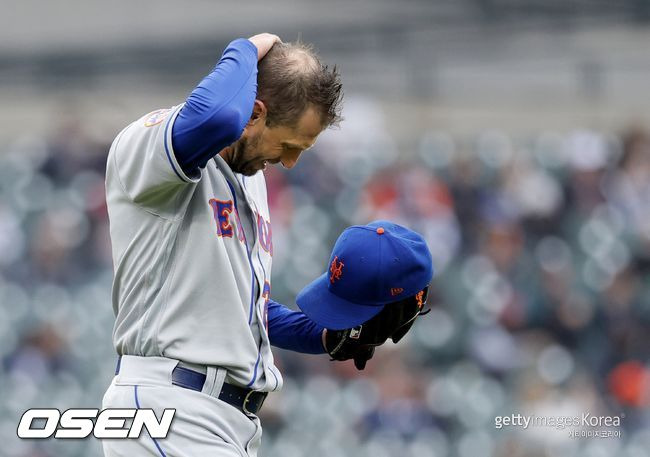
(297, 98)
(291, 79)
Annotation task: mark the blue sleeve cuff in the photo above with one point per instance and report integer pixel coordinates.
(293, 330)
(245, 43)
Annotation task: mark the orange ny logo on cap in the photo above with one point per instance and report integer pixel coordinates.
(336, 268)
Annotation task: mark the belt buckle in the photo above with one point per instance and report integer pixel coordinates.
(247, 399)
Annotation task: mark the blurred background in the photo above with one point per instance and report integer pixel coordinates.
(512, 134)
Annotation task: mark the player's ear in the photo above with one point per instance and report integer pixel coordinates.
(258, 116)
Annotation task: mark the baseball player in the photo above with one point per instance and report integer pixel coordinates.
(192, 249)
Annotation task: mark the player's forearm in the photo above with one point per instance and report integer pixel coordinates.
(218, 109)
(293, 330)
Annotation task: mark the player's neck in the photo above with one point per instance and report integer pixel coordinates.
(226, 153)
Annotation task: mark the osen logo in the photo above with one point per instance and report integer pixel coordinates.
(78, 423)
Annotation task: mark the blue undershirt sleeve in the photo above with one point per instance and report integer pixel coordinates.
(217, 110)
(293, 330)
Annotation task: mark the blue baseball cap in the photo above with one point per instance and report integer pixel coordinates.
(370, 266)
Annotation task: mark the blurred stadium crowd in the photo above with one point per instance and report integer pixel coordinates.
(540, 303)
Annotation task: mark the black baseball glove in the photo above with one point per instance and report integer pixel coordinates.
(393, 322)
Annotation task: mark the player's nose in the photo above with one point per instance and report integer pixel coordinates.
(289, 164)
(290, 160)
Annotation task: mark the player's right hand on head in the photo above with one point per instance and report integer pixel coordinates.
(264, 42)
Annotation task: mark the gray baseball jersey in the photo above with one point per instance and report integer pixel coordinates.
(192, 257)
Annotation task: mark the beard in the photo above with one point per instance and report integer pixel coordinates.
(244, 158)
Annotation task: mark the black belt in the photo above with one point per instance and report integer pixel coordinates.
(246, 400)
